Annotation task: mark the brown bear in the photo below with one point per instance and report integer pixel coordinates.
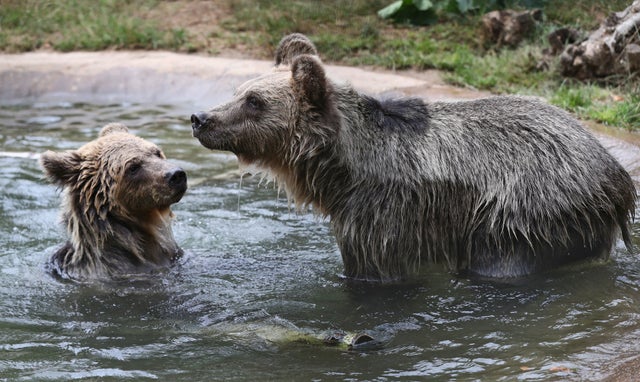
(118, 190)
(499, 187)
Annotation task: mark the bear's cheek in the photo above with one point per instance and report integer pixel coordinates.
(259, 135)
(138, 193)
(232, 127)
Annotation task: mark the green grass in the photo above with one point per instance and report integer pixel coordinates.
(345, 32)
(605, 105)
(582, 14)
(338, 28)
(82, 25)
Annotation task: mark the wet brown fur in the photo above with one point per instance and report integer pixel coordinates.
(117, 193)
(498, 187)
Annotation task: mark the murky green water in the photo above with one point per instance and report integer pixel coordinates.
(252, 267)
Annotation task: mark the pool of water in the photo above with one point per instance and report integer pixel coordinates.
(256, 271)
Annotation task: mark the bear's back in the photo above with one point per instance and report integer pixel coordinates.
(516, 147)
(513, 178)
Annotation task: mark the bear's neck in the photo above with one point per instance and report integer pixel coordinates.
(363, 173)
(146, 239)
(354, 145)
(115, 246)
(311, 169)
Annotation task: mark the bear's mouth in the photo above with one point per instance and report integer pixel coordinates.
(176, 182)
(215, 139)
(169, 198)
(199, 122)
(215, 134)
(209, 133)
(178, 192)
(203, 133)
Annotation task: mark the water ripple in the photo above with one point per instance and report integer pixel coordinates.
(255, 267)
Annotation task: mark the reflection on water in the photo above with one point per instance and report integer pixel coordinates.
(256, 271)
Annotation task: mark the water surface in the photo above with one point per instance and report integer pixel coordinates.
(255, 271)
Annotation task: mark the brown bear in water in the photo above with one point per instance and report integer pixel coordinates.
(118, 190)
(498, 187)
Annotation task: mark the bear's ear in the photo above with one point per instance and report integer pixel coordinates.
(113, 128)
(61, 168)
(292, 46)
(309, 80)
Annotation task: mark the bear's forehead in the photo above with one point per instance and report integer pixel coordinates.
(124, 144)
(267, 82)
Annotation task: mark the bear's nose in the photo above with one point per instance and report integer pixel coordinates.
(198, 119)
(176, 177)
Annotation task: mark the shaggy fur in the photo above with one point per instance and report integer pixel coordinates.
(498, 187)
(118, 190)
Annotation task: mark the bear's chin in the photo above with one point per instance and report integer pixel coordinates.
(171, 196)
(250, 167)
(178, 194)
(157, 216)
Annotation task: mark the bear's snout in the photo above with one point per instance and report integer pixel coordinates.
(176, 178)
(198, 120)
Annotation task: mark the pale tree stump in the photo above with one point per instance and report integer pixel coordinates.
(613, 49)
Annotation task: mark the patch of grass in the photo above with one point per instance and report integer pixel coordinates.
(607, 105)
(340, 29)
(576, 98)
(582, 14)
(443, 46)
(624, 112)
(82, 25)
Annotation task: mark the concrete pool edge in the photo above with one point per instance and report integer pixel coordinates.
(166, 77)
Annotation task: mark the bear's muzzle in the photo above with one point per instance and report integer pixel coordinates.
(176, 178)
(198, 120)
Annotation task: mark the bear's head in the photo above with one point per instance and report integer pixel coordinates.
(278, 118)
(118, 176)
(118, 190)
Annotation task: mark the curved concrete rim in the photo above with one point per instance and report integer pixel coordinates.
(167, 78)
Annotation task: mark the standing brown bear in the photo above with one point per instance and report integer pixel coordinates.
(499, 187)
(118, 190)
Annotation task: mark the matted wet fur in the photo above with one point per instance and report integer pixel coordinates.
(499, 187)
(117, 193)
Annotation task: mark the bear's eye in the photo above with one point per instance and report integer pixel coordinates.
(133, 168)
(158, 153)
(253, 102)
